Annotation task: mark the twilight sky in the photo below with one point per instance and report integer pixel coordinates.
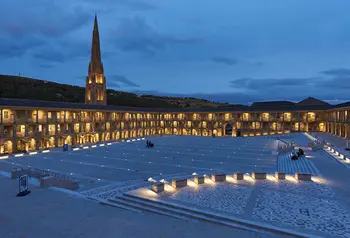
(231, 50)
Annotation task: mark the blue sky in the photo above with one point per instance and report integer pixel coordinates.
(233, 51)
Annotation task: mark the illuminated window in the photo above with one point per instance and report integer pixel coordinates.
(89, 95)
(6, 114)
(99, 79)
(40, 128)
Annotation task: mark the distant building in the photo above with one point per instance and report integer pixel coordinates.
(33, 125)
(95, 91)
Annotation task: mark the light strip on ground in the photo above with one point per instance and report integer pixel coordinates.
(45, 151)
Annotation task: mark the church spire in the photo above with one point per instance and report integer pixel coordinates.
(95, 62)
(95, 90)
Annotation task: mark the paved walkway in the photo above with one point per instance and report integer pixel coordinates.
(47, 213)
(337, 174)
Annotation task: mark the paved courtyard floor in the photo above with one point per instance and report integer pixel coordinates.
(320, 207)
(47, 213)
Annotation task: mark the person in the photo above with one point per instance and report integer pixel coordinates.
(147, 143)
(294, 156)
(301, 152)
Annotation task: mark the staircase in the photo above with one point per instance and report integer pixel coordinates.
(141, 204)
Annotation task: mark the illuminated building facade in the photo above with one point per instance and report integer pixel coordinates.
(33, 125)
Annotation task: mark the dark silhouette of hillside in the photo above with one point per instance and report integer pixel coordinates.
(28, 88)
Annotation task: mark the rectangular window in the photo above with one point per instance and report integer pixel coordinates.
(6, 114)
(49, 115)
(40, 128)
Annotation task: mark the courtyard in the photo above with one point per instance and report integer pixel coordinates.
(132, 160)
(117, 174)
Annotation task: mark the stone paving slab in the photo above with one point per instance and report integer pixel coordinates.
(304, 206)
(47, 213)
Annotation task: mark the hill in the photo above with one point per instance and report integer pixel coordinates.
(35, 89)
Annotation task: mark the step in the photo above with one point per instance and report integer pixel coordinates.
(119, 205)
(173, 211)
(123, 202)
(213, 217)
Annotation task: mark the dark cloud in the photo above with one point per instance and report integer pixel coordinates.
(134, 5)
(339, 72)
(17, 47)
(46, 66)
(337, 79)
(26, 25)
(271, 83)
(138, 5)
(226, 60)
(112, 85)
(120, 79)
(63, 51)
(136, 35)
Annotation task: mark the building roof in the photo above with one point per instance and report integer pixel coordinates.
(257, 107)
(310, 101)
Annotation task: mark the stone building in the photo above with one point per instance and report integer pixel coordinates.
(33, 125)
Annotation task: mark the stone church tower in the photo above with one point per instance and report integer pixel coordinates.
(95, 91)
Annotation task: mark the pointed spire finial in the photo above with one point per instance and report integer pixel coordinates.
(96, 63)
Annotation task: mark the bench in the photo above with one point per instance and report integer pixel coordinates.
(302, 177)
(179, 183)
(238, 176)
(218, 177)
(16, 173)
(158, 187)
(51, 181)
(256, 175)
(280, 176)
(199, 179)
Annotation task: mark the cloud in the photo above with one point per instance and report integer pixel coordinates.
(136, 35)
(272, 83)
(63, 51)
(137, 5)
(23, 28)
(46, 66)
(339, 72)
(116, 80)
(17, 47)
(226, 60)
(339, 78)
(134, 5)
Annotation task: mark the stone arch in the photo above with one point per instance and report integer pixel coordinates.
(228, 129)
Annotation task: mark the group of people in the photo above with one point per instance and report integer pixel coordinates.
(149, 144)
(296, 155)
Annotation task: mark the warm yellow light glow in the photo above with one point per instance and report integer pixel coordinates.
(149, 193)
(271, 178)
(247, 177)
(319, 180)
(169, 188)
(33, 153)
(209, 181)
(231, 179)
(291, 179)
(192, 184)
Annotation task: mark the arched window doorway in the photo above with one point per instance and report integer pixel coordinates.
(228, 130)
